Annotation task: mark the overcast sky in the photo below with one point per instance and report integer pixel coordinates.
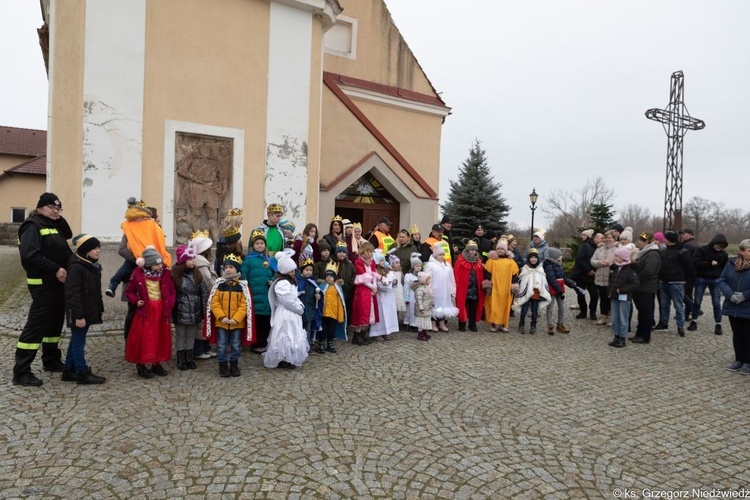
(555, 90)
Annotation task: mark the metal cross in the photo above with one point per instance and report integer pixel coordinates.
(676, 122)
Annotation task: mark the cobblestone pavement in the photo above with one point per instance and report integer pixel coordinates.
(465, 415)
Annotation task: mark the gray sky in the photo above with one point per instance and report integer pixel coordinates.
(555, 90)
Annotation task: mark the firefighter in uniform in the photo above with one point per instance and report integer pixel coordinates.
(42, 240)
(380, 237)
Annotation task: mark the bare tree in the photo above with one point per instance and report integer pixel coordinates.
(732, 223)
(570, 211)
(636, 216)
(701, 214)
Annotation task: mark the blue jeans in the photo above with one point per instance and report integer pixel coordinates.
(672, 292)
(75, 358)
(224, 337)
(713, 289)
(534, 305)
(620, 313)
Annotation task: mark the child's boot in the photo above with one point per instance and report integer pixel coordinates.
(181, 361)
(461, 326)
(422, 336)
(321, 348)
(189, 360)
(532, 329)
(234, 369)
(562, 328)
(330, 347)
(521, 327)
(551, 329)
(223, 370)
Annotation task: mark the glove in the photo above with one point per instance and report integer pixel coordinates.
(737, 297)
(562, 297)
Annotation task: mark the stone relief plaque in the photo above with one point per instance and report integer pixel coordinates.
(203, 183)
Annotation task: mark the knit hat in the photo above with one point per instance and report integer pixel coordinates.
(341, 247)
(233, 260)
(627, 233)
(617, 227)
(437, 249)
(659, 236)
(49, 199)
(540, 235)
(84, 243)
(423, 277)
(287, 224)
(415, 259)
(671, 236)
(445, 220)
(687, 230)
(149, 257)
(323, 245)
(137, 209)
(554, 253)
(502, 244)
(285, 263)
(588, 232)
(624, 254)
(184, 253)
(200, 242)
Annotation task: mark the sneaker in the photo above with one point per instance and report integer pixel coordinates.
(205, 355)
(69, 375)
(661, 326)
(504, 329)
(735, 366)
(717, 330)
(693, 326)
(109, 292)
(54, 366)
(27, 380)
(211, 354)
(744, 369)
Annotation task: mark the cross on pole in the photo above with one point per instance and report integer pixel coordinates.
(676, 122)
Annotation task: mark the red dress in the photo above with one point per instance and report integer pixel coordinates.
(150, 337)
(461, 270)
(365, 303)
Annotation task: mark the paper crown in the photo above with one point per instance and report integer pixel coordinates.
(413, 228)
(306, 262)
(332, 267)
(257, 233)
(202, 233)
(274, 207)
(132, 202)
(234, 212)
(340, 244)
(230, 231)
(336, 218)
(357, 225)
(234, 258)
(472, 243)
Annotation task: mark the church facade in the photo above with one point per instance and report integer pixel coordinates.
(196, 107)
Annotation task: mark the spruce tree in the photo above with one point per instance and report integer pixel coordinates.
(475, 199)
(602, 217)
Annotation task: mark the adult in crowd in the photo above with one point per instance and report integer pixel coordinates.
(690, 244)
(484, 245)
(515, 253)
(734, 284)
(335, 232)
(436, 237)
(448, 237)
(270, 226)
(468, 272)
(45, 254)
(647, 266)
(416, 236)
(380, 237)
(540, 245)
(583, 274)
(353, 243)
(403, 250)
(305, 245)
(603, 258)
(709, 261)
(676, 269)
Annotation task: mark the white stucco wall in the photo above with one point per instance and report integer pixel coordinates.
(287, 127)
(112, 111)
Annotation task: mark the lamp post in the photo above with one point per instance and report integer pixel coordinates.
(533, 197)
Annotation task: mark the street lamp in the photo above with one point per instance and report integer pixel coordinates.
(533, 197)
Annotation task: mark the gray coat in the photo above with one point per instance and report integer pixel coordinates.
(192, 299)
(648, 264)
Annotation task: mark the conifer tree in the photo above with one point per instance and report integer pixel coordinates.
(602, 217)
(475, 199)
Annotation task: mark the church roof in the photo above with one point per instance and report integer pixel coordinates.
(23, 141)
(34, 166)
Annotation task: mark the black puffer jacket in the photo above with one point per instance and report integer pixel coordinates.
(676, 265)
(622, 280)
(192, 300)
(703, 258)
(83, 292)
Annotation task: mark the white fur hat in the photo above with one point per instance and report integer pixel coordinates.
(285, 262)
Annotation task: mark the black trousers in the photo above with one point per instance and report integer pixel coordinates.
(688, 299)
(471, 311)
(262, 330)
(740, 338)
(592, 292)
(644, 302)
(329, 329)
(604, 303)
(43, 327)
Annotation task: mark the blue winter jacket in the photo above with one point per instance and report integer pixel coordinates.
(732, 281)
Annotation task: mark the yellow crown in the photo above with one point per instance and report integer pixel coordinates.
(473, 243)
(413, 229)
(275, 207)
(340, 244)
(235, 212)
(132, 202)
(203, 233)
(336, 218)
(332, 266)
(306, 262)
(234, 258)
(357, 225)
(230, 231)
(257, 233)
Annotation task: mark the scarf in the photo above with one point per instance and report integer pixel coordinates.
(149, 273)
(741, 264)
(469, 258)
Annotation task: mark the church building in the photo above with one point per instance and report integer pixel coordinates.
(199, 106)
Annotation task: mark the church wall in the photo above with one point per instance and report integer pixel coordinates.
(65, 129)
(20, 191)
(315, 122)
(212, 77)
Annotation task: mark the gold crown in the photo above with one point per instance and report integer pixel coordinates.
(306, 262)
(235, 212)
(473, 243)
(138, 204)
(257, 233)
(228, 232)
(234, 258)
(340, 244)
(337, 218)
(357, 225)
(202, 233)
(275, 207)
(332, 266)
(413, 229)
